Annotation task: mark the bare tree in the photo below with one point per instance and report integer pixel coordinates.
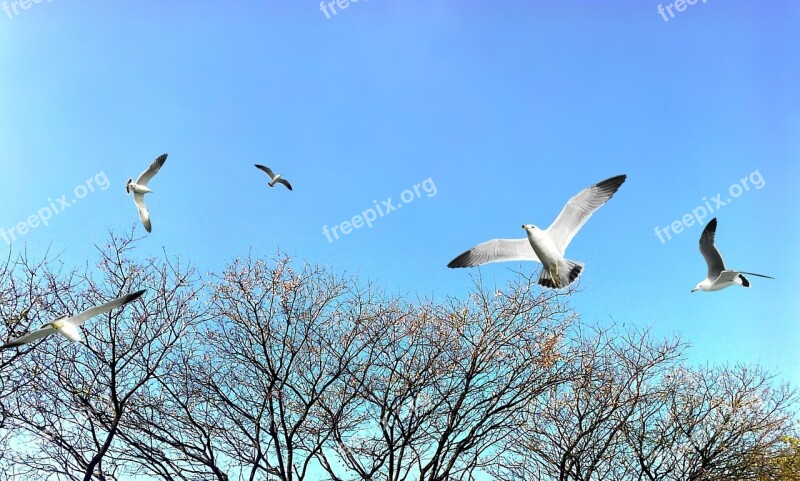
(727, 422)
(269, 371)
(26, 300)
(449, 383)
(576, 431)
(71, 412)
(246, 404)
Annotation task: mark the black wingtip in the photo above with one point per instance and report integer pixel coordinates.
(710, 229)
(460, 261)
(745, 282)
(612, 184)
(133, 296)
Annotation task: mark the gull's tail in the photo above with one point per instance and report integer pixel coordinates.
(742, 281)
(568, 271)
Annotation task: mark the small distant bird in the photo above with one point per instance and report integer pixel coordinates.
(139, 189)
(23, 315)
(718, 276)
(68, 326)
(547, 245)
(13, 321)
(274, 178)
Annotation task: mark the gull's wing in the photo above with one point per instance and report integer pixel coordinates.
(138, 199)
(152, 170)
(579, 209)
(28, 338)
(95, 311)
(726, 276)
(496, 250)
(267, 170)
(713, 258)
(284, 182)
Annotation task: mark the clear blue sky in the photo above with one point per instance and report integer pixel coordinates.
(508, 107)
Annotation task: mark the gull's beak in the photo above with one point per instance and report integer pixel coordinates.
(694, 290)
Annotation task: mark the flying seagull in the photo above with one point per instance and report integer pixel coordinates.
(547, 245)
(274, 178)
(139, 189)
(68, 326)
(718, 276)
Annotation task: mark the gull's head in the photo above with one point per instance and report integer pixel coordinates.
(702, 286)
(530, 227)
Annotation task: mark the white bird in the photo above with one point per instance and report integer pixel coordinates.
(139, 189)
(274, 178)
(547, 245)
(68, 326)
(719, 277)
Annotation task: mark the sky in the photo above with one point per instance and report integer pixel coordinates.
(498, 112)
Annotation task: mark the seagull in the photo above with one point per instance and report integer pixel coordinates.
(547, 245)
(68, 326)
(23, 315)
(139, 189)
(718, 276)
(274, 178)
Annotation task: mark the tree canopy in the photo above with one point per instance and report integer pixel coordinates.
(278, 369)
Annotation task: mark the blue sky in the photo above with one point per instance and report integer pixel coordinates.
(509, 108)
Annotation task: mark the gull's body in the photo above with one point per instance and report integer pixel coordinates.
(719, 277)
(139, 189)
(547, 246)
(68, 326)
(551, 258)
(274, 178)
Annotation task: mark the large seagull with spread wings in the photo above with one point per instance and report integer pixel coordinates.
(68, 326)
(547, 245)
